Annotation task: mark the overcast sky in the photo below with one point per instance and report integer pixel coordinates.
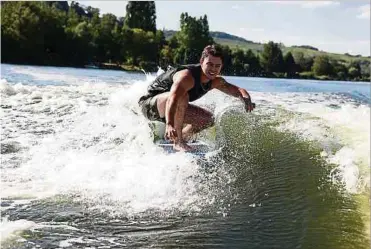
(339, 27)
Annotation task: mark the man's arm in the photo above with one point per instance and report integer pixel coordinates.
(183, 81)
(221, 84)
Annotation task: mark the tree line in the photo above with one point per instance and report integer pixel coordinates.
(58, 34)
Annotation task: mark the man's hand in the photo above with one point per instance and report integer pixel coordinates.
(170, 132)
(249, 106)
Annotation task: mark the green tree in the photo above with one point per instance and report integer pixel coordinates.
(79, 9)
(166, 56)
(227, 59)
(192, 38)
(271, 58)
(61, 5)
(252, 60)
(141, 15)
(92, 12)
(290, 66)
(322, 66)
(144, 45)
(245, 63)
(304, 63)
(106, 47)
(79, 36)
(238, 62)
(173, 42)
(354, 70)
(340, 71)
(34, 30)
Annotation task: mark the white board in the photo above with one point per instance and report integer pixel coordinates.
(199, 147)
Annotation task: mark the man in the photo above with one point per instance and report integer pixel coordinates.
(169, 95)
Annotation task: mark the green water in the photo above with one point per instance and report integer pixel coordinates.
(300, 207)
(271, 189)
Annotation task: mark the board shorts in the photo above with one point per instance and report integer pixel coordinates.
(148, 105)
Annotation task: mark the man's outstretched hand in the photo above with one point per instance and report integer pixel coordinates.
(249, 106)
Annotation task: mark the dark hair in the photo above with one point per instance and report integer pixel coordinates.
(211, 50)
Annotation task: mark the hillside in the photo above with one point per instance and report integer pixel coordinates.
(235, 41)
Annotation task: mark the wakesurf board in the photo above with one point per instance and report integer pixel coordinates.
(199, 147)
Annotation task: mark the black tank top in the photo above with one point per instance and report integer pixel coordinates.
(164, 82)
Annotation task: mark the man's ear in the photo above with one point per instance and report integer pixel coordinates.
(201, 60)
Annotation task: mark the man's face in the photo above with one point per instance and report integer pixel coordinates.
(211, 66)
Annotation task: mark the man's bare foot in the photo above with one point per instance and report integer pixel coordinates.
(188, 138)
(182, 146)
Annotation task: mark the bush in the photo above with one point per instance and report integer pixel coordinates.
(148, 66)
(307, 75)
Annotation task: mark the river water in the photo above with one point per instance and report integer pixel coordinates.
(79, 168)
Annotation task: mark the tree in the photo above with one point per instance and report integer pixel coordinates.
(92, 12)
(354, 70)
(290, 65)
(105, 40)
(238, 62)
(322, 66)
(192, 38)
(32, 32)
(340, 70)
(144, 45)
(304, 63)
(61, 5)
(227, 58)
(76, 7)
(166, 56)
(271, 58)
(141, 15)
(254, 64)
(160, 41)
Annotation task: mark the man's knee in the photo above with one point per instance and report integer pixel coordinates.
(210, 120)
(206, 121)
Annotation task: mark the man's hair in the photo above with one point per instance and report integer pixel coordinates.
(211, 50)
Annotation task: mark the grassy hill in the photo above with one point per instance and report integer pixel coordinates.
(238, 42)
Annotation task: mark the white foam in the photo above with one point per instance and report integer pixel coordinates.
(68, 242)
(342, 129)
(9, 229)
(6, 89)
(103, 153)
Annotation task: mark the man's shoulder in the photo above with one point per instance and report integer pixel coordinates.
(183, 75)
(218, 81)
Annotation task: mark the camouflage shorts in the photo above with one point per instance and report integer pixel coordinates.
(149, 108)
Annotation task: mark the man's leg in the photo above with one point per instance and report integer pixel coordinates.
(162, 105)
(196, 120)
(193, 117)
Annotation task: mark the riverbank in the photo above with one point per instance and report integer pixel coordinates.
(137, 69)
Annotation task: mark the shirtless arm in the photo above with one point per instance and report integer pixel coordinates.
(221, 84)
(183, 81)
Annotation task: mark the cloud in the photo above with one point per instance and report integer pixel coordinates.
(364, 12)
(318, 4)
(257, 29)
(284, 2)
(364, 42)
(307, 4)
(294, 38)
(250, 29)
(236, 7)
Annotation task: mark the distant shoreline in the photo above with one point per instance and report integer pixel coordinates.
(129, 69)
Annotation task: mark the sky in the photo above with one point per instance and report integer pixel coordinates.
(331, 26)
